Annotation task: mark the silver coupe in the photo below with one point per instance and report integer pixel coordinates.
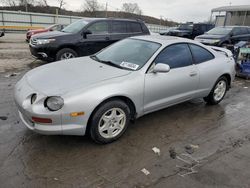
(100, 94)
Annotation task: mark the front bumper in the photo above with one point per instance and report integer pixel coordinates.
(62, 123)
(41, 53)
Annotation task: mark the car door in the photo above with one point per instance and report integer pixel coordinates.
(178, 85)
(236, 35)
(242, 35)
(208, 69)
(118, 30)
(97, 39)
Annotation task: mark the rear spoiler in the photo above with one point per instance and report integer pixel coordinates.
(225, 51)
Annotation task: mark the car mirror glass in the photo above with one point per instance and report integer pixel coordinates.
(161, 68)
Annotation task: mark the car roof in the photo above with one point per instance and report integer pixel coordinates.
(164, 40)
(234, 26)
(117, 19)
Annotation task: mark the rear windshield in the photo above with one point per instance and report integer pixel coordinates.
(75, 27)
(220, 31)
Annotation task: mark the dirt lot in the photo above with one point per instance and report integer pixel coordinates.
(219, 137)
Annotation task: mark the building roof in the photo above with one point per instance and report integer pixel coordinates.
(232, 8)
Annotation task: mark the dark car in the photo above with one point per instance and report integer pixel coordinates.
(224, 35)
(1, 33)
(84, 37)
(55, 27)
(190, 30)
(168, 30)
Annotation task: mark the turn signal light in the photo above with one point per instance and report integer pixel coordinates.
(75, 114)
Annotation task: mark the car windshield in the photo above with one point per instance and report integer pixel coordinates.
(220, 31)
(75, 27)
(129, 54)
(185, 27)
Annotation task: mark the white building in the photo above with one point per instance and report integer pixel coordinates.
(231, 15)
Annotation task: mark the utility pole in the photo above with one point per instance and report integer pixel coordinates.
(26, 6)
(106, 9)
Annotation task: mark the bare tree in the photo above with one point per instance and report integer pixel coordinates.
(11, 3)
(44, 3)
(131, 8)
(25, 2)
(61, 4)
(91, 7)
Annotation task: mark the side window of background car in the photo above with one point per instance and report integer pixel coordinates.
(200, 54)
(119, 27)
(236, 31)
(134, 27)
(99, 28)
(177, 55)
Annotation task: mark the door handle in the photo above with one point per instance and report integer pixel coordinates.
(107, 38)
(193, 73)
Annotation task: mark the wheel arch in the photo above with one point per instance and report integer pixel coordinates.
(228, 77)
(71, 46)
(125, 99)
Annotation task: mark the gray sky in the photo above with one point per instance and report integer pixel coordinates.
(176, 10)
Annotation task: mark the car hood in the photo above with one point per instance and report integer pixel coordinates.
(64, 76)
(180, 31)
(207, 36)
(51, 34)
(37, 30)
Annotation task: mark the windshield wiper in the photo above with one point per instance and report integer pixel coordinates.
(95, 58)
(105, 62)
(111, 63)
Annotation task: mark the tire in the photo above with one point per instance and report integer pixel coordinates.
(65, 53)
(224, 44)
(221, 86)
(109, 121)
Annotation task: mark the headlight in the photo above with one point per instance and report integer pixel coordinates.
(215, 41)
(54, 103)
(45, 41)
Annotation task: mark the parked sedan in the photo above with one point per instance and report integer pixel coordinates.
(55, 27)
(222, 36)
(99, 94)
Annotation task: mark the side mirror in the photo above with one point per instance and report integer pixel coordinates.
(161, 68)
(85, 33)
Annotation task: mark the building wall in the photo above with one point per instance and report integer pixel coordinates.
(238, 18)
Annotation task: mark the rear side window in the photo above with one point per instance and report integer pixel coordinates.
(200, 54)
(177, 55)
(135, 27)
(237, 31)
(99, 28)
(244, 30)
(119, 27)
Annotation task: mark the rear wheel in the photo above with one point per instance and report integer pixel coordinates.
(218, 92)
(109, 122)
(65, 53)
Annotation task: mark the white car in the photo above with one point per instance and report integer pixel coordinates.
(101, 93)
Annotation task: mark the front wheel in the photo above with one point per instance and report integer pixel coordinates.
(218, 92)
(109, 121)
(65, 53)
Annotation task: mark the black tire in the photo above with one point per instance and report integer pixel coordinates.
(62, 52)
(99, 113)
(210, 99)
(224, 44)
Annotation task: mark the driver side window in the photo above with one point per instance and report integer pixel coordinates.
(99, 28)
(176, 56)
